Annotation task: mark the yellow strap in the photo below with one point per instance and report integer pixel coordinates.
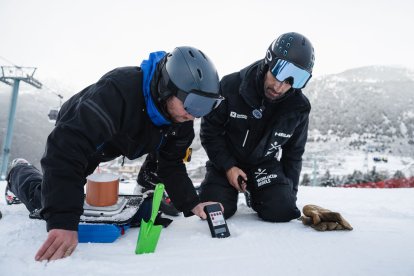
(187, 157)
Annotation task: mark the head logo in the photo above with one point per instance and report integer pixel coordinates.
(284, 135)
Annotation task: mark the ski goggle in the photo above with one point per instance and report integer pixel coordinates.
(196, 102)
(199, 103)
(284, 69)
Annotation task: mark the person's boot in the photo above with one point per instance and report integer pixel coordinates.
(147, 180)
(8, 194)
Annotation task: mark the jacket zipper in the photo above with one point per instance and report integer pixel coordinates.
(161, 142)
(245, 138)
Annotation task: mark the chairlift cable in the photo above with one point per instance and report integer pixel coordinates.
(53, 111)
(8, 61)
(48, 88)
(52, 91)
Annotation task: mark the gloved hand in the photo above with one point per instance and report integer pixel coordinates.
(322, 219)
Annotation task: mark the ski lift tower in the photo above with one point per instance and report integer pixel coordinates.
(314, 172)
(12, 75)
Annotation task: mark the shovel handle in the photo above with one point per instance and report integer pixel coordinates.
(156, 200)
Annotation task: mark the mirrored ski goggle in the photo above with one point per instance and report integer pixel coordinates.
(196, 102)
(199, 103)
(284, 69)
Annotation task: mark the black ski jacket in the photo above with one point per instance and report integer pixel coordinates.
(106, 120)
(233, 136)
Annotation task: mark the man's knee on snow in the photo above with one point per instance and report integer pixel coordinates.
(276, 206)
(278, 213)
(229, 211)
(217, 189)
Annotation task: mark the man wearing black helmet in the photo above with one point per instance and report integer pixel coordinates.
(130, 111)
(255, 139)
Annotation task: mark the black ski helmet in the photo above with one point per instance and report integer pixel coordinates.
(292, 47)
(188, 71)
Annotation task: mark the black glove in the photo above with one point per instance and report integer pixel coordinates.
(322, 219)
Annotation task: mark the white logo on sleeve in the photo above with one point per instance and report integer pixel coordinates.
(237, 116)
(276, 150)
(284, 135)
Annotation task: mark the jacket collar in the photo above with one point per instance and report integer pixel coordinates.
(149, 68)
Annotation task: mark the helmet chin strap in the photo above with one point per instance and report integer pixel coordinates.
(163, 107)
(162, 97)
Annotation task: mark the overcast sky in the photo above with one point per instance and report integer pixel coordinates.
(77, 41)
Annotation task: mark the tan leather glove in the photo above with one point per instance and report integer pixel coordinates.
(323, 219)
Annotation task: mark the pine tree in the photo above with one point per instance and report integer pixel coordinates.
(305, 180)
(398, 174)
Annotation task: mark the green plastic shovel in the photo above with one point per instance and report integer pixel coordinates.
(148, 232)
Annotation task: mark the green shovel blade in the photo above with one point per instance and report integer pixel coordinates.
(148, 238)
(148, 232)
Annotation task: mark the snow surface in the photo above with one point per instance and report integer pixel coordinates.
(103, 177)
(382, 242)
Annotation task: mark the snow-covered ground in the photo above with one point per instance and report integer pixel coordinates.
(382, 242)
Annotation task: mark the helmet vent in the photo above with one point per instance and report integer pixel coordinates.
(200, 75)
(204, 56)
(191, 54)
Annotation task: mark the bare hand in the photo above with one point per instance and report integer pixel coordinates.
(232, 176)
(59, 244)
(199, 209)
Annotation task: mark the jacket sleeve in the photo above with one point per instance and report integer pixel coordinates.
(85, 122)
(212, 136)
(293, 151)
(172, 171)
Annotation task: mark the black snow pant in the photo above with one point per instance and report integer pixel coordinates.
(274, 203)
(24, 181)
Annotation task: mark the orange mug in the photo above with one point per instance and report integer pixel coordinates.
(102, 189)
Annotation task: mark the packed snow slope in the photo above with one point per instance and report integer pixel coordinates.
(382, 242)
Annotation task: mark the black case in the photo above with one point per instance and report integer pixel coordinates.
(216, 221)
